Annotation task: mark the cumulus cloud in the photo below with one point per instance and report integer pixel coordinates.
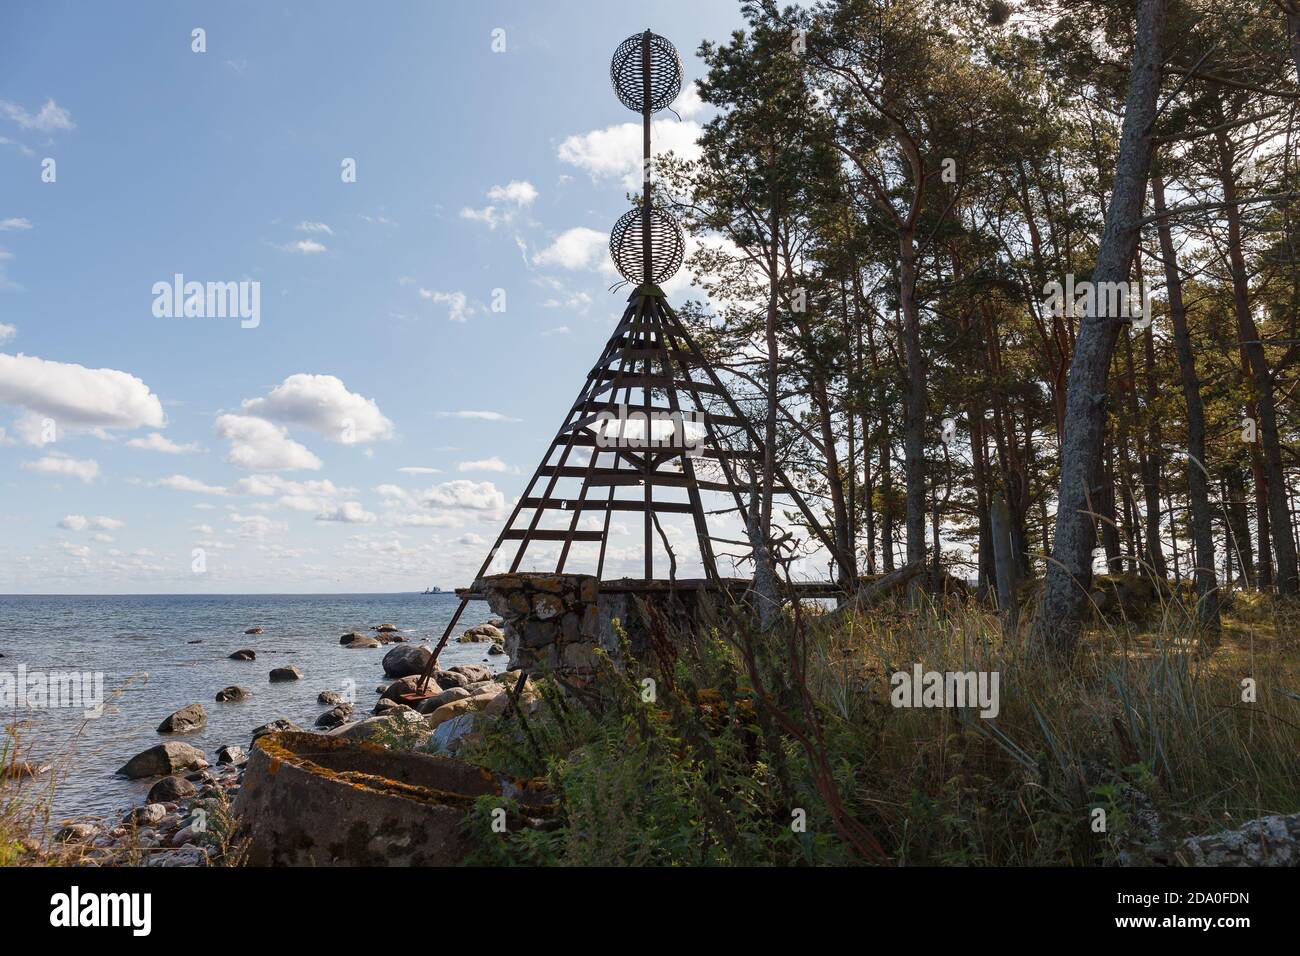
(317, 227)
(255, 526)
(504, 203)
(76, 396)
(323, 404)
(185, 483)
(462, 493)
(81, 523)
(576, 248)
(259, 445)
(55, 463)
(350, 512)
(50, 117)
(7, 332)
(484, 464)
(305, 247)
(419, 470)
(470, 537)
(615, 151)
(14, 223)
(156, 442)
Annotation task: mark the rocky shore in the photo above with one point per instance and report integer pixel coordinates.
(186, 817)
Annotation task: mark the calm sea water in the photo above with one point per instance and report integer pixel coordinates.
(141, 644)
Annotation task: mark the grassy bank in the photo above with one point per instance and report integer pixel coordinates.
(734, 747)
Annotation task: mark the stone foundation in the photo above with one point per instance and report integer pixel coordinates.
(551, 620)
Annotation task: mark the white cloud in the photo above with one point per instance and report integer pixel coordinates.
(58, 464)
(323, 404)
(157, 442)
(81, 523)
(74, 395)
(479, 416)
(304, 246)
(350, 512)
(202, 529)
(14, 222)
(419, 470)
(7, 332)
(485, 464)
(576, 248)
(504, 203)
(255, 526)
(689, 104)
(470, 537)
(259, 445)
(558, 330)
(459, 307)
(52, 116)
(316, 227)
(185, 483)
(429, 521)
(461, 493)
(615, 151)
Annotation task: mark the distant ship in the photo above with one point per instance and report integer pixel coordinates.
(432, 591)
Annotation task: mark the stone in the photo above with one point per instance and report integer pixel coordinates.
(386, 628)
(407, 659)
(446, 697)
(404, 723)
(76, 833)
(529, 701)
(481, 632)
(451, 678)
(454, 709)
(362, 643)
(150, 815)
(232, 694)
(244, 654)
(579, 657)
(547, 606)
(351, 636)
(185, 720)
(335, 716)
(281, 674)
(185, 856)
(230, 755)
(255, 630)
(449, 735)
(410, 685)
(171, 789)
(1266, 841)
(474, 673)
(383, 707)
(162, 760)
(277, 726)
(329, 698)
(496, 649)
(486, 688)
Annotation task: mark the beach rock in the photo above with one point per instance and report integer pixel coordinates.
(486, 688)
(329, 697)
(448, 737)
(230, 755)
(446, 697)
(408, 685)
(255, 630)
(171, 789)
(335, 716)
(406, 659)
(162, 760)
(1266, 841)
(497, 622)
(185, 856)
(473, 672)
(245, 654)
(277, 726)
(454, 709)
(361, 643)
(282, 674)
(150, 815)
(451, 678)
(387, 707)
(351, 636)
(386, 628)
(198, 641)
(185, 720)
(529, 700)
(404, 723)
(481, 632)
(496, 649)
(76, 833)
(232, 694)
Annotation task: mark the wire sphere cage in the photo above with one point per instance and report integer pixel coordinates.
(665, 73)
(667, 246)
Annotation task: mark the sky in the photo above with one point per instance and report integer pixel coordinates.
(420, 193)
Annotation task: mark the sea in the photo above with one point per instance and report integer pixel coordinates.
(157, 653)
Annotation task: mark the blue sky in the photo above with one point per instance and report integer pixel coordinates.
(328, 448)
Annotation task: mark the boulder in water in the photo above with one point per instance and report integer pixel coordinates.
(185, 720)
(282, 674)
(407, 659)
(255, 630)
(232, 694)
(162, 760)
(171, 789)
(244, 654)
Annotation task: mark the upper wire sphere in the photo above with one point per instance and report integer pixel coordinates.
(667, 246)
(665, 73)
